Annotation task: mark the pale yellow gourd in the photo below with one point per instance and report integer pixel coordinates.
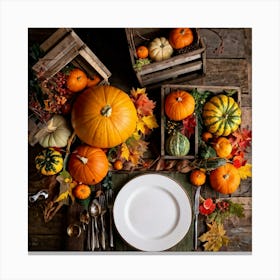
(160, 49)
(55, 133)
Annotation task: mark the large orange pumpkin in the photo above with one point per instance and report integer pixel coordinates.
(180, 37)
(225, 179)
(179, 105)
(104, 116)
(88, 165)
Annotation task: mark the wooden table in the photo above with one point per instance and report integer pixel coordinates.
(228, 62)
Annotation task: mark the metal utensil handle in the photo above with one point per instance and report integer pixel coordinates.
(195, 233)
(103, 234)
(92, 235)
(96, 233)
(111, 229)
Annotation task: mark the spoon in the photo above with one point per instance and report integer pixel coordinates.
(94, 210)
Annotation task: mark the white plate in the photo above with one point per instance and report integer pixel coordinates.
(152, 212)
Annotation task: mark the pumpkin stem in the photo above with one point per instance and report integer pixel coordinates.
(51, 127)
(106, 111)
(179, 99)
(84, 160)
(226, 176)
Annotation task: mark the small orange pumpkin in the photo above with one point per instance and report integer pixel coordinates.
(88, 165)
(197, 177)
(180, 37)
(94, 81)
(82, 191)
(222, 147)
(179, 105)
(77, 80)
(104, 116)
(225, 179)
(206, 136)
(142, 52)
(118, 165)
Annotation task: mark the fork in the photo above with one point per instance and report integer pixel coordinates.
(110, 203)
(102, 203)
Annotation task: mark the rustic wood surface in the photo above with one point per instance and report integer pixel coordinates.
(228, 54)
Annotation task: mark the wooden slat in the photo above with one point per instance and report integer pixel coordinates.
(171, 62)
(92, 59)
(171, 72)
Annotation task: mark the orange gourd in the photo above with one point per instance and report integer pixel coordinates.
(88, 165)
(77, 80)
(104, 116)
(180, 37)
(225, 179)
(179, 105)
(197, 177)
(94, 81)
(222, 147)
(142, 52)
(82, 191)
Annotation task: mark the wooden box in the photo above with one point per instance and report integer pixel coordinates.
(178, 68)
(63, 47)
(194, 140)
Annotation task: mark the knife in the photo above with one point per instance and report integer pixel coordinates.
(196, 212)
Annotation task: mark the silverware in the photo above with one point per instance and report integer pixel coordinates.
(110, 202)
(102, 203)
(196, 212)
(94, 211)
(34, 197)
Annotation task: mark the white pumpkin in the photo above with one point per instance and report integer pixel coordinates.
(55, 133)
(160, 49)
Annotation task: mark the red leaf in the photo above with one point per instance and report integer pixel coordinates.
(189, 125)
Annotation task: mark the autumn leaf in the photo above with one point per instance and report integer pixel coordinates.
(214, 238)
(124, 151)
(241, 140)
(245, 171)
(189, 125)
(142, 103)
(65, 188)
(140, 126)
(150, 121)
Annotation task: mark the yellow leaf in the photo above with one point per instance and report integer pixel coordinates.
(72, 185)
(245, 171)
(150, 121)
(124, 151)
(136, 135)
(214, 238)
(134, 92)
(62, 196)
(140, 126)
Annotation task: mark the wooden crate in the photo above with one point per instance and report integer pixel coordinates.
(63, 47)
(178, 68)
(194, 141)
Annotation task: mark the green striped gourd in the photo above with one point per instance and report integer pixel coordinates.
(221, 115)
(49, 161)
(177, 144)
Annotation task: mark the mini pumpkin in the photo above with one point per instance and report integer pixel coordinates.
(160, 49)
(82, 191)
(49, 162)
(180, 37)
(178, 105)
(88, 165)
(104, 116)
(223, 147)
(197, 177)
(77, 80)
(225, 179)
(93, 81)
(55, 133)
(221, 115)
(142, 52)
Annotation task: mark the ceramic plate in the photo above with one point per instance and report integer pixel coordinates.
(152, 212)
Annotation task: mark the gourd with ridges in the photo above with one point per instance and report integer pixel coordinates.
(177, 144)
(221, 115)
(49, 161)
